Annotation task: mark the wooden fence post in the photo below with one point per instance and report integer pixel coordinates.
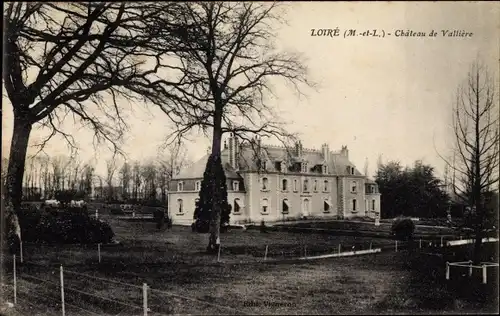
(265, 254)
(447, 270)
(62, 290)
(15, 280)
(470, 268)
(441, 241)
(218, 253)
(370, 245)
(339, 248)
(99, 251)
(420, 243)
(485, 274)
(145, 298)
(305, 251)
(21, 251)
(396, 246)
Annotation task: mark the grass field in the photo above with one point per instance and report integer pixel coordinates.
(184, 280)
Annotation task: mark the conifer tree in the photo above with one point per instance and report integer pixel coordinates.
(213, 194)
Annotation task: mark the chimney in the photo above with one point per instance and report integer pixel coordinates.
(298, 148)
(325, 151)
(231, 150)
(236, 152)
(345, 151)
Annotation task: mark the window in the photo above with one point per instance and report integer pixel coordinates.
(306, 185)
(265, 206)
(284, 184)
(264, 165)
(352, 170)
(179, 206)
(354, 205)
(237, 206)
(325, 169)
(295, 185)
(304, 167)
(326, 206)
(325, 185)
(354, 187)
(373, 205)
(197, 186)
(315, 185)
(265, 183)
(285, 206)
(180, 186)
(236, 185)
(283, 166)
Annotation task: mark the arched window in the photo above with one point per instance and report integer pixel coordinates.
(326, 205)
(179, 206)
(295, 185)
(354, 204)
(285, 206)
(180, 186)
(306, 185)
(265, 183)
(236, 185)
(237, 206)
(315, 187)
(284, 183)
(197, 186)
(325, 185)
(373, 205)
(265, 205)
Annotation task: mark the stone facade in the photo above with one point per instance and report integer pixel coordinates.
(273, 183)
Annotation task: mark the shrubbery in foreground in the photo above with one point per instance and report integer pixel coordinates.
(68, 226)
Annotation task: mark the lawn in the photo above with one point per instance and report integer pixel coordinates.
(183, 279)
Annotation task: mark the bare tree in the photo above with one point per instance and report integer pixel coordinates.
(231, 71)
(476, 147)
(125, 179)
(76, 60)
(110, 176)
(171, 159)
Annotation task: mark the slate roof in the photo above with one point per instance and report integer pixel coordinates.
(197, 169)
(337, 162)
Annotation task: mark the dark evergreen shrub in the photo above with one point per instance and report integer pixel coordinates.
(213, 190)
(72, 225)
(403, 228)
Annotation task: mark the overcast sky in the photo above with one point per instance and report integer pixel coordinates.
(389, 96)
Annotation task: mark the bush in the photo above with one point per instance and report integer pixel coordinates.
(73, 225)
(403, 228)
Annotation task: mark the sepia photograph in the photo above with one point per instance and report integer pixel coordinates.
(250, 158)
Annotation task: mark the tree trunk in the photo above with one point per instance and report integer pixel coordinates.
(214, 239)
(14, 183)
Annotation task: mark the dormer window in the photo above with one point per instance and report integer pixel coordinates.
(180, 186)
(197, 186)
(236, 185)
(352, 170)
(283, 166)
(304, 167)
(324, 169)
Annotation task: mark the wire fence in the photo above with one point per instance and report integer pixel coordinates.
(54, 288)
(67, 292)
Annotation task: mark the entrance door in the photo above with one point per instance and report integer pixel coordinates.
(306, 207)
